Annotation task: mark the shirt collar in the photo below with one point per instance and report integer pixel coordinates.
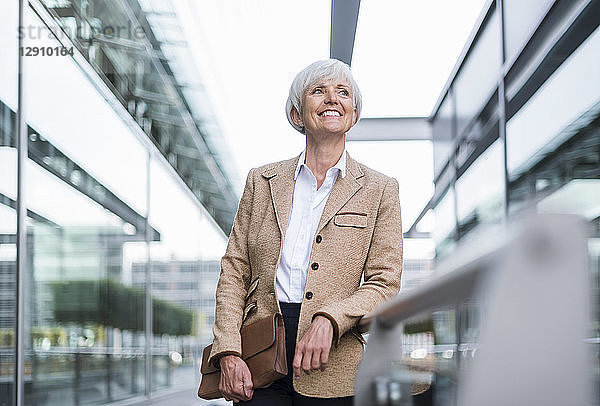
(340, 165)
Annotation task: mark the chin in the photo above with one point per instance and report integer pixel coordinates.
(334, 133)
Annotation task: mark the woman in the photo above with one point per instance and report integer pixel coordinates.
(305, 232)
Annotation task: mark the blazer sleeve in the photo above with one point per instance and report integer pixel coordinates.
(233, 282)
(382, 271)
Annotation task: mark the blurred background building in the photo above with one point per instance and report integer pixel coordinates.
(517, 127)
(131, 173)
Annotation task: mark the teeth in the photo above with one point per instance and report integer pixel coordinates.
(330, 113)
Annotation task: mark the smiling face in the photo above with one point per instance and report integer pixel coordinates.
(327, 108)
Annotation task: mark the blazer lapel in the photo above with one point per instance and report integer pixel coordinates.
(281, 182)
(343, 189)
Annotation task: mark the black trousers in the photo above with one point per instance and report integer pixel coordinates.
(281, 392)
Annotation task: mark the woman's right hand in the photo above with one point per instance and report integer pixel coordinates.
(236, 380)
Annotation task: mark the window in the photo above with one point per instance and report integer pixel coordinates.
(567, 101)
(478, 77)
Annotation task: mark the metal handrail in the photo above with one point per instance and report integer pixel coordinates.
(516, 276)
(457, 278)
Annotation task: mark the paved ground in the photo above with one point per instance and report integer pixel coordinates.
(181, 393)
(181, 398)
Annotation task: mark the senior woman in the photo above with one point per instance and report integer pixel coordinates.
(307, 229)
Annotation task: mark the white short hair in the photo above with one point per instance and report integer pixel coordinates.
(310, 76)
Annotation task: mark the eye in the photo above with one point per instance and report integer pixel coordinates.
(344, 92)
(317, 90)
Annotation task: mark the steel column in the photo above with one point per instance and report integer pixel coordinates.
(502, 109)
(344, 16)
(21, 270)
(148, 290)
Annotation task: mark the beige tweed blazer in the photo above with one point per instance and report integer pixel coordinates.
(359, 235)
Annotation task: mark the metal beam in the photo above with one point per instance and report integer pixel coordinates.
(114, 41)
(391, 129)
(344, 16)
(164, 118)
(166, 14)
(417, 234)
(22, 254)
(154, 97)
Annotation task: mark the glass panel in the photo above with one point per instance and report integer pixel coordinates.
(76, 118)
(483, 131)
(521, 18)
(478, 76)
(594, 250)
(8, 194)
(9, 20)
(86, 187)
(145, 92)
(480, 189)
(185, 270)
(543, 123)
(445, 224)
(85, 325)
(442, 135)
(553, 154)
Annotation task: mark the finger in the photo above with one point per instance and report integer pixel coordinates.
(232, 389)
(316, 360)
(230, 396)
(238, 398)
(238, 391)
(249, 395)
(324, 360)
(297, 363)
(306, 361)
(248, 386)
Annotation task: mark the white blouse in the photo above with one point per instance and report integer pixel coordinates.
(308, 203)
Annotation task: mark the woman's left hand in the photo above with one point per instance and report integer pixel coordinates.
(312, 351)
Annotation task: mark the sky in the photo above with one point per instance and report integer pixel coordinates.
(249, 51)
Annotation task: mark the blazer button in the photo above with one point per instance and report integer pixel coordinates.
(314, 266)
(309, 295)
(319, 239)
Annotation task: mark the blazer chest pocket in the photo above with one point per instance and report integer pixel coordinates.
(358, 220)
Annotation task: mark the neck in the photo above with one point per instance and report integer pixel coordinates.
(322, 154)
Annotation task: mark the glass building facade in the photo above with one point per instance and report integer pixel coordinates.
(122, 206)
(517, 130)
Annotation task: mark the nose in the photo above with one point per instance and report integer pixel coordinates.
(332, 97)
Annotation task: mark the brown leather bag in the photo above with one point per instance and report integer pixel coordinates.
(263, 350)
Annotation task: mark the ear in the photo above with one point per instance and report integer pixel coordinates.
(354, 116)
(296, 117)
